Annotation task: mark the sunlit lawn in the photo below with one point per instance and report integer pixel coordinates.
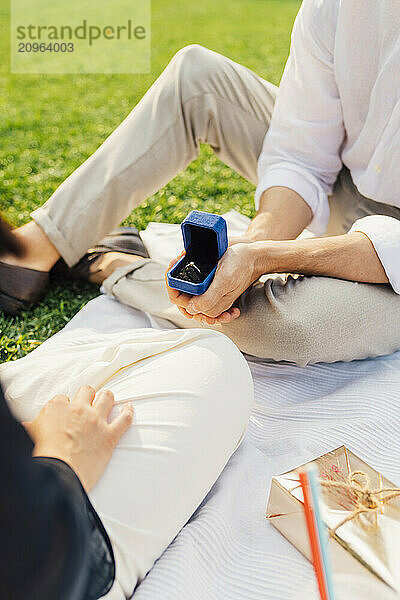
(50, 124)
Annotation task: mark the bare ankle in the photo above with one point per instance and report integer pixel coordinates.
(39, 253)
(107, 263)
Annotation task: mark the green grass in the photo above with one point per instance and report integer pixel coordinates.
(50, 124)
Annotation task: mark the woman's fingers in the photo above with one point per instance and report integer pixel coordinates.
(60, 399)
(104, 402)
(121, 423)
(85, 395)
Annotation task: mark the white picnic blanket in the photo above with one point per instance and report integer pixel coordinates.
(228, 551)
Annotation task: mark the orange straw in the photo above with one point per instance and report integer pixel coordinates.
(313, 537)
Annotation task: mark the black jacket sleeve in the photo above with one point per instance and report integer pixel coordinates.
(53, 544)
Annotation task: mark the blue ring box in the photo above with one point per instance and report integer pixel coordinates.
(205, 239)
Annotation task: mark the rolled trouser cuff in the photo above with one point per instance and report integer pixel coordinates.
(65, 249)
(142, 286)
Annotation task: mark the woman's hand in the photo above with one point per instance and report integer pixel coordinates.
(235, 273)
(78, 431)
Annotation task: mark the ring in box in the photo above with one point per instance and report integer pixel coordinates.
(205, 239)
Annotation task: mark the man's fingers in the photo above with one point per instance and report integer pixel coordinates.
(85, 395)
(228, 316)
(220, 286)
(176, 297)
(185, 313)
(223, 318)
(170, 265)
(204, 319)
(179, 298)
(183, 300)
(121, 423)
(205, 302)
(172, 294)
(222, 304)
(104, 402)
(235, 312)
(208, 306)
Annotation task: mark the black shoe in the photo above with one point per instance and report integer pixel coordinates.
(20, 287)
(124, 239)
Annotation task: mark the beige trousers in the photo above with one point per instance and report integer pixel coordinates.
(203, 96)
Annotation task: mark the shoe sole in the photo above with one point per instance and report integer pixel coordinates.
(10, 305)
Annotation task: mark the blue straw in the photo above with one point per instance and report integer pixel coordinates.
(315, 489)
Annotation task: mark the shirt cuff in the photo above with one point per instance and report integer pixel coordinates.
(299, 181)
(384, 233)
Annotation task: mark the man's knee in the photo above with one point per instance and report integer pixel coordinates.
(193, 53)
(317, 319)
(195, 65)
(277, 337)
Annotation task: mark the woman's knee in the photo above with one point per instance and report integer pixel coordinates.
(231, 381)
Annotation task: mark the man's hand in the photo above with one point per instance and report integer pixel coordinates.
(282, 215)
(235, 273)
(350, 256)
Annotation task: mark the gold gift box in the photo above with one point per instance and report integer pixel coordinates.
(368, 544)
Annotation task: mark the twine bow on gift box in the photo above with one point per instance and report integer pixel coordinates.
(367, 501)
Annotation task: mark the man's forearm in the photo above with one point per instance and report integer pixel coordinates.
(282, 215)
(351, 256)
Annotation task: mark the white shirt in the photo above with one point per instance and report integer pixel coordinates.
(339, 103)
